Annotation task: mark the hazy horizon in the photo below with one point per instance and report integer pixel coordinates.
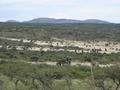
(22, 10)
(54, 18)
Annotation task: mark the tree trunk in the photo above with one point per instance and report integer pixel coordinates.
(117, 87)
(92, 77)
(16, 83)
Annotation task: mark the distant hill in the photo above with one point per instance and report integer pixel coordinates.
(52, 20)
(59, 21)
(12, 21)
(95, 21)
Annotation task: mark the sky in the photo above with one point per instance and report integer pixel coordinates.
(23, 10)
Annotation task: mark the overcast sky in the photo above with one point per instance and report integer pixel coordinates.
(74, 9)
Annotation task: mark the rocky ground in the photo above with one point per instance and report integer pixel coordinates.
(69, 45)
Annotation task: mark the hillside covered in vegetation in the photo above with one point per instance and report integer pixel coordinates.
(64, 31)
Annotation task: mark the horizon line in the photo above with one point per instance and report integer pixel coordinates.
(58, 19)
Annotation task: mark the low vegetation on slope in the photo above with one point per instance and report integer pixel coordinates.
(21, 76)
(17, 73)
(54, 56)
(64, 31)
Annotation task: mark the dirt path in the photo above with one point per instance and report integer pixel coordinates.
(73, 64)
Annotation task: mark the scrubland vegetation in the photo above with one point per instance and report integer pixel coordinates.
(18, 72)
(65, 31)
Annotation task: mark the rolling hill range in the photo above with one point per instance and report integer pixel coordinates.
(60, 21)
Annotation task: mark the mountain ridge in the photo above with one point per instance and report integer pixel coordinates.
(60, 21)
